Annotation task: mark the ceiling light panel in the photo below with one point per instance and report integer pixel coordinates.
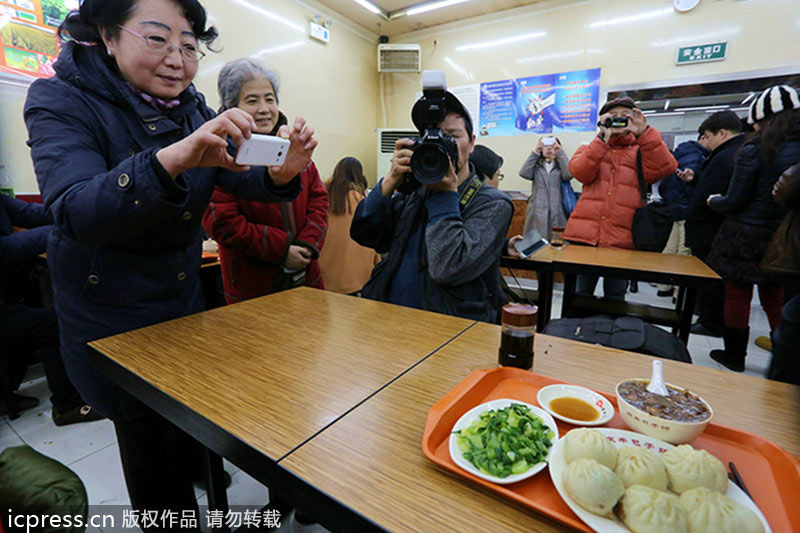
(627, 19)
(430, 6)
(366, 4)
(501, 42)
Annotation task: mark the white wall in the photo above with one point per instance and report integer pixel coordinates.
(633, 41)
(337, 88)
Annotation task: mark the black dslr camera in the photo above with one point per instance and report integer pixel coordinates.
(434, 150)
(614, 122)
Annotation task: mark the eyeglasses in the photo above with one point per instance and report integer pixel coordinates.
(159, 44)
(500, 176)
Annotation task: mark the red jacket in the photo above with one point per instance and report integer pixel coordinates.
(254, 237)
(610, 196)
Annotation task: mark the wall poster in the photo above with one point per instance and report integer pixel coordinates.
(28, 43)
(549, 103)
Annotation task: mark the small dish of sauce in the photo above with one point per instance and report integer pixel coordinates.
(575, 405)
(574, 408)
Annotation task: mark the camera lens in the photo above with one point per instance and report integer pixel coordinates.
(429, 163)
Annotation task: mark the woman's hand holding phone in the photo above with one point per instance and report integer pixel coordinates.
(302, 144)
(207, 146)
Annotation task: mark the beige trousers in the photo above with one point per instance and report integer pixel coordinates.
(675, 245)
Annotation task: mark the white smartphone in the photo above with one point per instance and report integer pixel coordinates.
(262, 151)
(548, 141)
(529, 243)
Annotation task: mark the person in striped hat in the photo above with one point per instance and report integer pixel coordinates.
(771, 101)
(752, 216)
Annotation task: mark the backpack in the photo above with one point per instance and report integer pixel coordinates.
(32, 483)
(624, 333)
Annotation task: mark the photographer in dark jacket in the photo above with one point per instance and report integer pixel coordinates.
(444, 240)
(26, 329)
(720, 133)
(752, 218)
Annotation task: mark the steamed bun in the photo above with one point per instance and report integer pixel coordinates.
(593, 486)
(688, 468)
(711, 512)
(639, 466)
(646, 510)
(586, 443)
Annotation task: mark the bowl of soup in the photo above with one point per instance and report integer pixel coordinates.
(677, 418)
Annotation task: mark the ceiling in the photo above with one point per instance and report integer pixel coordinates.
(404, 24)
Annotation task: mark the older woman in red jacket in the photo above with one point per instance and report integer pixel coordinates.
(265, 248)
(607, 168)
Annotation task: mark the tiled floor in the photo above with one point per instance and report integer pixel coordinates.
(90, 449)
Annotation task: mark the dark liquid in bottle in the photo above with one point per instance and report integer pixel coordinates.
(516, 349)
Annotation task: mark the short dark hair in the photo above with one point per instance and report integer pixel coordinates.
(83, 25)
(486, 162)
(721, 120)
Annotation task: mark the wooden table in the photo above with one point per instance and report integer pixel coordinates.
(368, 468)
(685, 271)
(254, 380)
(325, 397)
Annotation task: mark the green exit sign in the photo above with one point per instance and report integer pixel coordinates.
(701, 53)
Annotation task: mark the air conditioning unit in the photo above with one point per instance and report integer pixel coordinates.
(386, 139)
(399, 58)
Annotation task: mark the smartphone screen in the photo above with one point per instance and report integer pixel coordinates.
(530, 250)
(530, 243)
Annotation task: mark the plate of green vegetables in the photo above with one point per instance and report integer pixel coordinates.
(503, 441)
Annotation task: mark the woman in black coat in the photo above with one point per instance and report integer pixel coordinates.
(127, 155)
(752, 218)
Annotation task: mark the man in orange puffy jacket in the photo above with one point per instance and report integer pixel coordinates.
(610, 196)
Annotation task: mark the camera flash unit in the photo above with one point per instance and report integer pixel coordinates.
(434, 80)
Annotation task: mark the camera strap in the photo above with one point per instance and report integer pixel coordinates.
(469, 192)
(643, 186)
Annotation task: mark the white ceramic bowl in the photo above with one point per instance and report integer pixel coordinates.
(664, 429)
(604, 407)
(473, 414)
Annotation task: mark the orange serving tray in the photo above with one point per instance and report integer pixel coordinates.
(772, 474)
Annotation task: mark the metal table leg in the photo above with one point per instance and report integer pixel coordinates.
(545, 279)
(569, 294)
(217, 495)
(686, 311)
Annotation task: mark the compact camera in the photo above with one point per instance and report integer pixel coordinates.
(614, 122)
(434, 149)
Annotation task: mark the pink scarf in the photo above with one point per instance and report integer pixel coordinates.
(158, 103)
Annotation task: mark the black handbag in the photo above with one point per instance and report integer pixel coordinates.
(652, 223)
